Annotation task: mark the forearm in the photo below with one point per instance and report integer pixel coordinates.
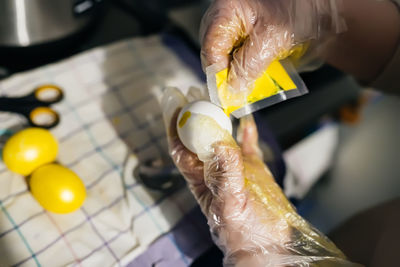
(281, 237)
(370, 41)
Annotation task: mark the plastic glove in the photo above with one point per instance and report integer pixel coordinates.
(247, 35)
(249, 217)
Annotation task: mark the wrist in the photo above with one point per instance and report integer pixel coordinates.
(371, 39)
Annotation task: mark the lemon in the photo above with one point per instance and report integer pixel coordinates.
(28, 149)
(57, 189)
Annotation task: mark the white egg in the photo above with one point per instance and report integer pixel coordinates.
(200, 124)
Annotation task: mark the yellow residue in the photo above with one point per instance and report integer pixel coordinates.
(184, 119)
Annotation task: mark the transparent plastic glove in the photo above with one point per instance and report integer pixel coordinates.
(249, 217)
(247, 35)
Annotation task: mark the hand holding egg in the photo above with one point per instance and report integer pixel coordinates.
(201, 124)
(249, 216)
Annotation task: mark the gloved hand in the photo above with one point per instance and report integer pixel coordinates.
(246, 35)
(249, 217)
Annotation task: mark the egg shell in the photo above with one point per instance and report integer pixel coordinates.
(57, 188)
(200, 124)
(28, 149)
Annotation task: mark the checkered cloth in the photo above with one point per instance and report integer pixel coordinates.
(110, 121)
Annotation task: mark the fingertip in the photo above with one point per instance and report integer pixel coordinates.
(247, 130)
(172, 130)
(247, 136)
(172, 100)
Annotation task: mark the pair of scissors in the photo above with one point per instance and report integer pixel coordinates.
(160, 175)
(36, 106)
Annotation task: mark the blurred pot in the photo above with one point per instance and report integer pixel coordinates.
(33, 22)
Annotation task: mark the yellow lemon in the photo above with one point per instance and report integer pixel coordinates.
(28, 149)
(57, 189)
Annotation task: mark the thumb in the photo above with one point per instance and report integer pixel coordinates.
(251, 60)
(224, 176)
(171, 101)
(248, 63)
(222, 27)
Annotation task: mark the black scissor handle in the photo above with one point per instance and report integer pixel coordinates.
(159, 175)
(48, 94)
(43, 117)
(35, 106)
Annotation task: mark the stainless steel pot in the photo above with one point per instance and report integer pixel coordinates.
(33, 22)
